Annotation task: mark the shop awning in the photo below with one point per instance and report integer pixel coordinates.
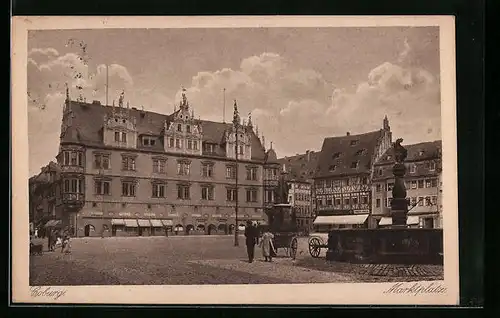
(411, 220)
(130, 223)
(117, 222)
(167, 222)
(340, 219)
(144, 223)
(156, 223)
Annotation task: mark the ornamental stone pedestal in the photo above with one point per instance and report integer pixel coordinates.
(399, 203)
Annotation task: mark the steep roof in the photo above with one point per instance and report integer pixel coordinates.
(338, 154)
(271, 156)
(416, 152)
(88, 119)
(300, 167)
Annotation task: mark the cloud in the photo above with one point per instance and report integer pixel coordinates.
(297, 108)
(48, 74)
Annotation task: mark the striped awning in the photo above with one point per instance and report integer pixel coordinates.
(340, 219)
(117, 222)
(167, 222)
(144, 223)
(411, 220)
(156, 223)
(130, 223)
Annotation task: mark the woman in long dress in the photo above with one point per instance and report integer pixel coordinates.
(266, 243)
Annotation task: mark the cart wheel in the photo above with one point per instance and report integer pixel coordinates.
(314, 247)
(294, 244)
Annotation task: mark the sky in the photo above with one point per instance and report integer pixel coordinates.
(300, 85)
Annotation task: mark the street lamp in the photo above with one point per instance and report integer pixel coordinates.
(236, 123)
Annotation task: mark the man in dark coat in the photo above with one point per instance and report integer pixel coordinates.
(251, 239)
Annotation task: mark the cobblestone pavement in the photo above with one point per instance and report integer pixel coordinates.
(183, 260)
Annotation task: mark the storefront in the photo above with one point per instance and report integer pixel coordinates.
(412, 222)
(324, 223)
(131, 227)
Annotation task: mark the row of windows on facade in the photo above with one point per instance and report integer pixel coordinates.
(414, 201)
(158, 190)
(412, 167)
(102, 161)
(329, 183)
(303, 210)
(347, 199)
(411, 184)
(302, 197)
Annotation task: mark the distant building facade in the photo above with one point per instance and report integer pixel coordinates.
(298, 172)
(129, 172)
(342, 182)
(43, 189)
(423, 186)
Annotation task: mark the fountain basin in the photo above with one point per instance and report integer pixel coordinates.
(386, 246)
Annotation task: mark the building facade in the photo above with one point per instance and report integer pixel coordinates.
(342, 182)
(129, 172)
(423, 186)
(298, 172)
(42, 193)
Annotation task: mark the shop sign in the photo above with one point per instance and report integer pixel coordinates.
(201, 220)
(221, 220)
(124, 214)
(196, 215)
(149, 214)
(94, 213)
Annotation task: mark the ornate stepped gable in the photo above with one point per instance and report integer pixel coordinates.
(244, 138)
(183, 133)
(88, 124)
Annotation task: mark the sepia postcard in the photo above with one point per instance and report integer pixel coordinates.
(234, 160)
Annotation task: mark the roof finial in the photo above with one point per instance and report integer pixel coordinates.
(120, 99)
(257, 130)
(263, 141)
(184, 102)
(386, 123)
(67, 92)
(250, 120)
(271, 147)
(236, 115)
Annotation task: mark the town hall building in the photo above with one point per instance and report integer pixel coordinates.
(130, 172)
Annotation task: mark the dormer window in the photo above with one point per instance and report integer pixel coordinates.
(354, 165)
(354, 142)
(148, 141)
(336, 155)
(421, 153)
(389, 157)
(332, 168)
(179, 127)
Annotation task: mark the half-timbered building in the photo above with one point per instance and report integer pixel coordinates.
(342, 182)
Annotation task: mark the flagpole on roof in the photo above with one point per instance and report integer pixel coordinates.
(107, 84)
(224, 106)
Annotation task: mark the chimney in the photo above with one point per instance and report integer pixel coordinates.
(284, 168)
(96, 102)
(348, 134)
(308, 153)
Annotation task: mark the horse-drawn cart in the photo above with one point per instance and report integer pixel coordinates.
(283, 226)
(316, 242)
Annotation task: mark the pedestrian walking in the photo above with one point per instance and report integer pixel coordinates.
(266, 243)
(251, 240)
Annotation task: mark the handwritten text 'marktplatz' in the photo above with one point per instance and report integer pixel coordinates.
(416, 288)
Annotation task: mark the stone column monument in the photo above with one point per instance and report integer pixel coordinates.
(399, 204)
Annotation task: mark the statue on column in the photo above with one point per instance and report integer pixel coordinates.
(399, 204)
